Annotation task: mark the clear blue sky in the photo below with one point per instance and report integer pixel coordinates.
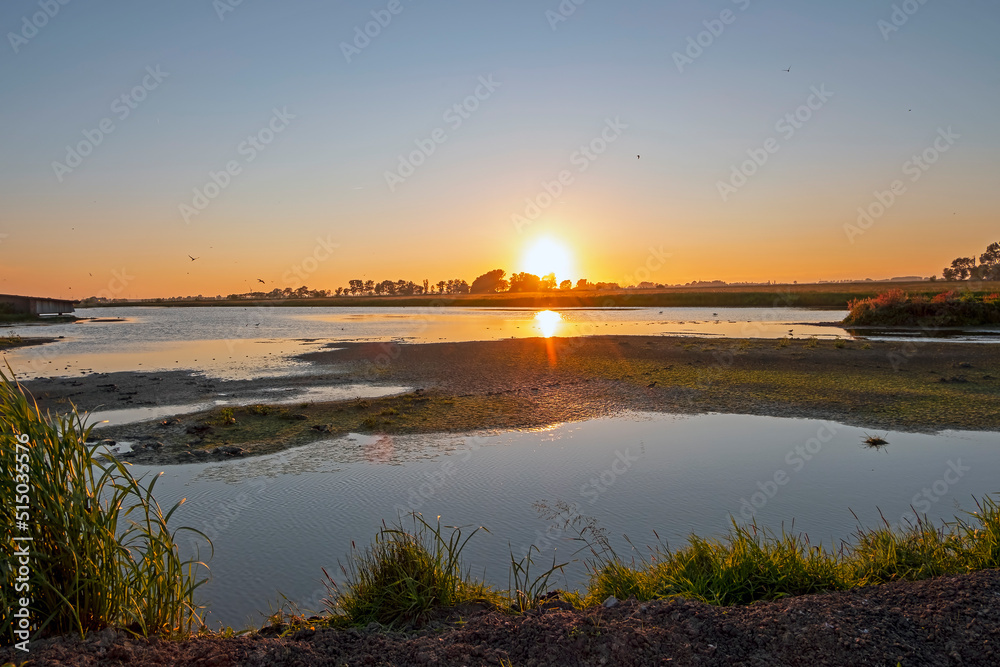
(324, 174)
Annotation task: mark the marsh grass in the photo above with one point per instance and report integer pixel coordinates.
(526, 591)
(750, 564)
(102, 552)
(404, 576)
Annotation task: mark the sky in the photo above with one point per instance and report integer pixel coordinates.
(312, 142)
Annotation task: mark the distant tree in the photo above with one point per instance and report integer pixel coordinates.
(356, 286)
(460, 286)
(340, 290)
(566, 284)
(302, 292)
(548, 282)
(369, 286)
(583, 284)
(524, 282)
(489, 283)
(441, 284)
(989, 263)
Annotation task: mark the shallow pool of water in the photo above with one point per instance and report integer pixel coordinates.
(276, 521)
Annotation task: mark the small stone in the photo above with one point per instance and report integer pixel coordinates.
(610, 602)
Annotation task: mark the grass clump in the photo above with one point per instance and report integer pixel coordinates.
(102, 553)
(748, 565)
(751, 564)
(406, 575)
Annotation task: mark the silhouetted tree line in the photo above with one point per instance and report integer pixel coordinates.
(494, 282)
(965, 268)
(401, 288)
(491, 282)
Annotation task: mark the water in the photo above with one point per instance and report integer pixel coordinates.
(253, 342)
(276, 521)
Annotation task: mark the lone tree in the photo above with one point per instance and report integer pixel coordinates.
(489, 283)
(964, 268)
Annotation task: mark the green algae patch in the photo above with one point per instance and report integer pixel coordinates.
(261, 429)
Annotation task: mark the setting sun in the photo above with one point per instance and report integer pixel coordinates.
(548, 256)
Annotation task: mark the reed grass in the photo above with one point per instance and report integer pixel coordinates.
(750, 564)
(102, 553)
(404, 575)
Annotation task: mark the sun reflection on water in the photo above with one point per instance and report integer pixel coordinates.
(548, 322)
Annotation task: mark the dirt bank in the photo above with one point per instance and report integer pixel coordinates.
(944, 621)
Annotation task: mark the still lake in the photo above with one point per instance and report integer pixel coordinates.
(276, 521)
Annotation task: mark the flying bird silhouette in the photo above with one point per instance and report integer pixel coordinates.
(261, 281)
(194, 258)
(787, 70)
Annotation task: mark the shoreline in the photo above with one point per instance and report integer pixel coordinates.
(536, 382)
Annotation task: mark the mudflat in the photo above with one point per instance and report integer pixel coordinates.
(528, 383)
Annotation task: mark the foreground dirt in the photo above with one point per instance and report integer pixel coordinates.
(944, 621)
(535, 382)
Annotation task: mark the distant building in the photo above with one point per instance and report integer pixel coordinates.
(32, 305)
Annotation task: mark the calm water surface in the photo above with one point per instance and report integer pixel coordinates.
(238, 343)
(276, 521)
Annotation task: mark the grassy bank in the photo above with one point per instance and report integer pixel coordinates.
(406, 575)
(945, 309)
(87, 545)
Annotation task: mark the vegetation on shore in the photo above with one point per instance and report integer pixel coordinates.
(406, 575)
(90, 571)
(100, 552)
(947, 309)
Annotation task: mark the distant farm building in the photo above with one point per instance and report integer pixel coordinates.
(32, 305)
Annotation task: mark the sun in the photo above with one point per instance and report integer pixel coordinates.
(548, 256)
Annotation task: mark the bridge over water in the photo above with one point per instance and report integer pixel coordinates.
(35, 305)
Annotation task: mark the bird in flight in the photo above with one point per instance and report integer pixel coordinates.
(637, 157)
(194, 258)
(787, 70)
(261, 281)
